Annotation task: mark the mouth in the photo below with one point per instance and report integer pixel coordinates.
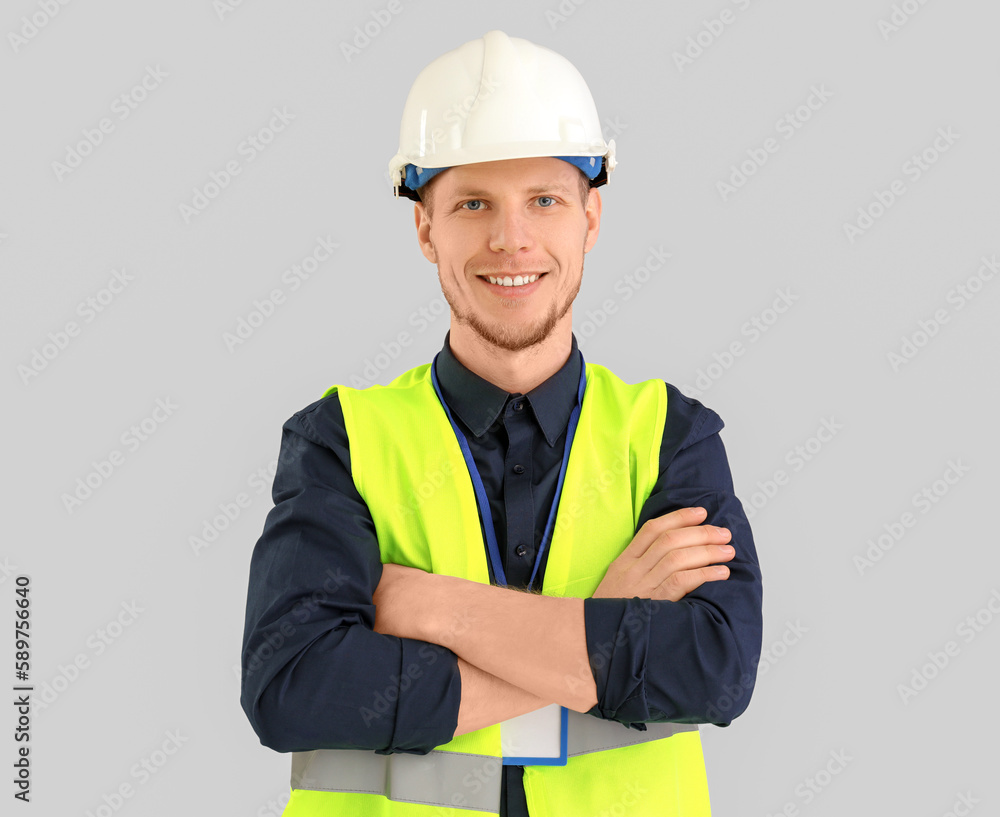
(513, 285)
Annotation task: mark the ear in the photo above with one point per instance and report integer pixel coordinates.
(593, 214)
(423, 224)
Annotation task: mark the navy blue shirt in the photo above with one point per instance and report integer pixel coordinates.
(315, 674)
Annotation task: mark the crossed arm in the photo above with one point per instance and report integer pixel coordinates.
(518, 651)
(324, 666)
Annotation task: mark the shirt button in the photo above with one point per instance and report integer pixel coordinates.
(521, 550)
(518, 406)
(518, 469)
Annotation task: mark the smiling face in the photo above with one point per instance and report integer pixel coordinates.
(510, 220)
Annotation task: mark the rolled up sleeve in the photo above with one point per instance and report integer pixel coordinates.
(694, 660)
(315, 675)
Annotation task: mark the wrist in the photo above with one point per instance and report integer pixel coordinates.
(431, 608)
(446, 613)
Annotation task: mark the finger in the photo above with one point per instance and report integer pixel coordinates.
(658, 525)
(678, 585)
(680, 539)
(687, 559)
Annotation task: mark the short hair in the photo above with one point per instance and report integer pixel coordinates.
(424, 192)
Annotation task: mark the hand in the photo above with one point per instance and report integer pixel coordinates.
(396, 599)
(669, 557)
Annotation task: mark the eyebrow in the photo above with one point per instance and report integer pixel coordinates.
(462, 192)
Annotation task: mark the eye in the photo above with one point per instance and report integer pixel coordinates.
(546, 201)
(473, 201)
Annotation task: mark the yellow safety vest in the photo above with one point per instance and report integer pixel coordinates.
(409, 469)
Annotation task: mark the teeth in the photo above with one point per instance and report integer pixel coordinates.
(516, 281)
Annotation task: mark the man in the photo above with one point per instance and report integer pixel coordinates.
(379, 648)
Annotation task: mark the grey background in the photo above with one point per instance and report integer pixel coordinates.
(848, 637)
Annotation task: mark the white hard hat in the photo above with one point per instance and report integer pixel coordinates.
(495, 98)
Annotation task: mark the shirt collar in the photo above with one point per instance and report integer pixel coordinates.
(479, 403)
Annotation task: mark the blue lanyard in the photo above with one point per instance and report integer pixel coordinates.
(477, 482)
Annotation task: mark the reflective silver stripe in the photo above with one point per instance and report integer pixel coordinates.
(589, 734)
(452, 779)
(447, 779)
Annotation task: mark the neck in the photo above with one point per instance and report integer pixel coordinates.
(516, 372)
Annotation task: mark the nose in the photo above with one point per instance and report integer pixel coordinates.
(511, 231)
